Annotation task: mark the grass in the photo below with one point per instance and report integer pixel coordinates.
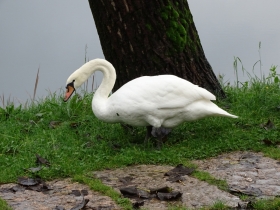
(205, 176)
(269, 204)
(4, 205)
(75, 143)
(96, 184)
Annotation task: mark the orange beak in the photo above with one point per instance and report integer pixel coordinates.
(69, 92)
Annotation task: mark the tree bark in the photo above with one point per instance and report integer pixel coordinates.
(152, 37)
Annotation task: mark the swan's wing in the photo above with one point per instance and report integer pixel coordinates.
(160, 92)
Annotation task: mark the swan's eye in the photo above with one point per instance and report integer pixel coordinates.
(70, 84)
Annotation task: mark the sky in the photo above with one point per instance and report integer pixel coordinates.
(56, 36)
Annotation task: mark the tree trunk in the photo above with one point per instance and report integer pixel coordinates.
(152, 37)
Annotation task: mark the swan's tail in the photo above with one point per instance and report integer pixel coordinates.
(217, 111)
(204, 108)
(226, 114)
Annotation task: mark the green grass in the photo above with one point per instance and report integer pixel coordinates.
(205, 176)
(96, 184)
(4, 205)
(269, 204)
(79, 143)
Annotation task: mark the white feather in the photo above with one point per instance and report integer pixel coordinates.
(159, 101)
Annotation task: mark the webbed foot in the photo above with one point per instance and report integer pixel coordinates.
(161, 135)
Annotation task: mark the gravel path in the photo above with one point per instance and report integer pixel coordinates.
(245, 172)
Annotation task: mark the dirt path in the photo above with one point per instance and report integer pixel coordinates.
(245, 172)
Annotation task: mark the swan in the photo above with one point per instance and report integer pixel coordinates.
(161, 102)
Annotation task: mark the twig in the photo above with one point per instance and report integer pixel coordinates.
(143, 189)
(36, 83)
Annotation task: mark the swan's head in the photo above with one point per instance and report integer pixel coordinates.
(81, 75)
(74, 81)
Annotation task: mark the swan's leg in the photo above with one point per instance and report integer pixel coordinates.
(128, 128)
(161, 135)
(148, 133)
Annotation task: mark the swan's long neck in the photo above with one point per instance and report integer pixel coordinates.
(109, 77)
(107, 84)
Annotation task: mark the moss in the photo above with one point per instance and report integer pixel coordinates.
(177, 23)
(164, 16)
(173, 24)
(181, 30)
(175, 14)
(149, 27)
(176, 26)
(183, 22)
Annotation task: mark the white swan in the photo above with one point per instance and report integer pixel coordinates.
(158, 101)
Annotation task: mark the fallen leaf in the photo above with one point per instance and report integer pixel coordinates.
(41, 160)
(36, 184)
(81, 205)
(245, 190)
(11, 150)
(39, 114)
(163, 193)
(126, 180)
(32, 122)
(25, 181)
(268, 142)
(99, 138)
(114, 146)
(17, 188)
(76, 192)
(35, 188)
(227, 106)
(133, 192)
(88, 144)
(176, 178)
(175, 174)
(74, 124)
(84, 192)
(179, 170)
(53, 124)
(59, 208)
(144, 194)
(161, 189)
(129, 191)
(169, 196)
(33, 170)
(25, 130)
(269, 125)
(137, 204)
(45, 187)
(245, 205)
